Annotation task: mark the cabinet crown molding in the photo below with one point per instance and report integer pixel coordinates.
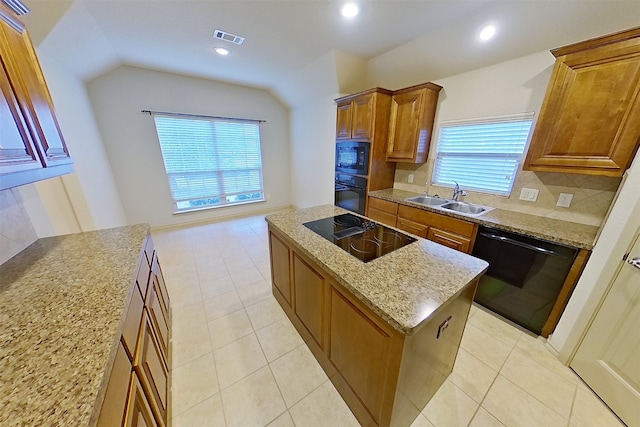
(597, 42)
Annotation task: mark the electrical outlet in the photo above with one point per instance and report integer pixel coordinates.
(564, 200)
(410, 178)
(529, 194)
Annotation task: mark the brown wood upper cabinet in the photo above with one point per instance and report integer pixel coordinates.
(412, 114)
(33, 148)
(356, 117)
(590, 118)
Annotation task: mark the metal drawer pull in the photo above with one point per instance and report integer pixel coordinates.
(635, 262)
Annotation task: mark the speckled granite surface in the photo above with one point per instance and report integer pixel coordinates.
(554, 230)
(61, 304)
(403, 287)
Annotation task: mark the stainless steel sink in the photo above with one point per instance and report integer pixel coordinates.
(465, 208)
(427, 200)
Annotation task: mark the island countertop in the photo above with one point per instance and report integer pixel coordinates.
(405, 287)
(62, 300)
(554, 230)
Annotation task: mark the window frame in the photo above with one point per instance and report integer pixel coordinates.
(216, 175)
(515, 158)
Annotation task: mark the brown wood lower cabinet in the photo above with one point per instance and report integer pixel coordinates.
(385, 377)
(138, 389)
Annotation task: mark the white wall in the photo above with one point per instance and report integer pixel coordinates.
(616, 236)
(91, 190)
(313, 136)
(132, 145)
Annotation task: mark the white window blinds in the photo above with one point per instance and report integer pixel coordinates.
(482, 155)
(210, 162)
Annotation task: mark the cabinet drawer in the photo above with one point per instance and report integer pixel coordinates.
(382, 217)
(159, 318)
(452, 240)
(131, 329)
(383, 205)
(412, 227)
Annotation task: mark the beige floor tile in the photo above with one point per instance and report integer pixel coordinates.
(216, 287)
(552, 390)
(246, 277)
(255, 292)
(253, 401)
(278, 338)
(472, 375)
(297, 374)
(189, 343)
(239, 265)
(238, 359)
(450, 407)
(496, 327)
(207, 413)
(421, 421)
(534, 348)
(184, 318)
(323, 408)
(229, 328)
(185, 296)
(222, 305)
(589, 411)
(283, 420)
(482, 418)
(193, 383)
(485, 347)
(514, 407)
(210, 272)
(264, 313)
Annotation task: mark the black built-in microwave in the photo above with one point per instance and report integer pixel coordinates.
(352, 157)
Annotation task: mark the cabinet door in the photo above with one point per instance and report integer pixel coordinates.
(115, 399)
(405, 127)
(309, 295)
(412, 227)
(23, 70)
(454, 241)
(589, 122)
(139, 413)
(152, 371)
(359, 349)
(17, 152)
(343, 120)
(280, 262)
(131, 329)
(362, 117)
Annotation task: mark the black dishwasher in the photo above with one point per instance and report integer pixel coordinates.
(524, 278)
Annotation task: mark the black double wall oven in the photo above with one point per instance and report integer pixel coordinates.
(352, 168)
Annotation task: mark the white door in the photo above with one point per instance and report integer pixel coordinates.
(608, 358)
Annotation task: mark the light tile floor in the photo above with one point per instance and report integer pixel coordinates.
(238, 361)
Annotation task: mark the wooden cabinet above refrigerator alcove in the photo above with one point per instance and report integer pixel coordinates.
(590, 118)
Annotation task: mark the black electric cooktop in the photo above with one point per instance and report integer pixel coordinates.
(360, 237)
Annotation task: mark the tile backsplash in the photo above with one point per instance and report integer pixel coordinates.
(592, 195)
(16, 231)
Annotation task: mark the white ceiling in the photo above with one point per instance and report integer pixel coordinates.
(283, 36)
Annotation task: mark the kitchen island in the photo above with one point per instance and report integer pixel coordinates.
(387, 331)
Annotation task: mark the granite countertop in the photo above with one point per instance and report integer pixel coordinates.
(62, 301)
(404, 287)
(554, 230)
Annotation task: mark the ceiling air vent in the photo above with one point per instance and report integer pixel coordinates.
(228, 37)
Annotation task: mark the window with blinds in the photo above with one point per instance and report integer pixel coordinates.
(211, 162)
(483, 154)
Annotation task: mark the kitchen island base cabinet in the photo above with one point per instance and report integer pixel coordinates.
(385, 377)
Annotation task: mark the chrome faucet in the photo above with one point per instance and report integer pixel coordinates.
(457, 192)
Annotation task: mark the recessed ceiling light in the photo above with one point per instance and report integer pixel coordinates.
(222, 51)
(487, 32)
(349, 10)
